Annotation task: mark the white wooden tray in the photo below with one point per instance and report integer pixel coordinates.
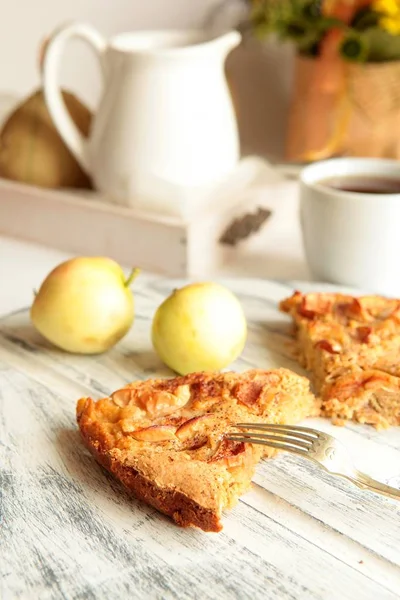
(68, 530)
(180, 236)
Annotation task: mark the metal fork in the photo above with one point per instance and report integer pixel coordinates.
(315, 445)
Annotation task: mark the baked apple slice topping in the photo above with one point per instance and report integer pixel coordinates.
(354, 311)
(155, 403)
(154, 433)
(189, 431)
(313, 305)
(366, 382)
(124, 397)
(331, 347)
(364, 334)
(192, 426)
(162, 403)
(230, 453)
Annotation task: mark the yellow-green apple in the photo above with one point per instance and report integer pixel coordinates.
(85, 305)
(199, 327)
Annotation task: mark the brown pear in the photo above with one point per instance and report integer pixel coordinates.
(31, 149)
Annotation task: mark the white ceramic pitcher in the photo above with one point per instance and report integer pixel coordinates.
(165, 115)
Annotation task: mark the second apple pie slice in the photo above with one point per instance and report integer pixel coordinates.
(351, 345)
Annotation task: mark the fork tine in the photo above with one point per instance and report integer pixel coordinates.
(277, 445)
(274, 438)
(296, 437)
(305, 433)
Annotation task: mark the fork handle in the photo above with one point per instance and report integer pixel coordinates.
(375, 486)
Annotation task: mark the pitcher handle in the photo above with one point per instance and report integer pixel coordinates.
(69, 132)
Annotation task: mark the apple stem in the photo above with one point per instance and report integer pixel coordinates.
(134, 273)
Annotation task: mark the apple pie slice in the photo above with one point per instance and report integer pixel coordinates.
(351, 345)
(165, 439)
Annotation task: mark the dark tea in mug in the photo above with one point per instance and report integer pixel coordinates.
(363, 184)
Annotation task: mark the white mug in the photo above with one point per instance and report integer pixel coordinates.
(351, 238)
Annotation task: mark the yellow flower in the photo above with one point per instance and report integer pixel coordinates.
(390, 11)
(391, 25)
(387, 7)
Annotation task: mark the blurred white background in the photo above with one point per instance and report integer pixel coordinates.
(261, 76)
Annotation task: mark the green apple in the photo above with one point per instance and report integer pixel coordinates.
(199, 327)
(85, 305)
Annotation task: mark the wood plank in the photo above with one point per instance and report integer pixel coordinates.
(322, 535)
(366, 518)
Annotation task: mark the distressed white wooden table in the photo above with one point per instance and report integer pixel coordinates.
(69, 531)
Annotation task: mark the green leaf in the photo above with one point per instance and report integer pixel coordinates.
(354, 47)
(364, 19)
(326, 23)
(383, 46)
(312, 10)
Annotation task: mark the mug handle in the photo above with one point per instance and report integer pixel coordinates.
(69, 132)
